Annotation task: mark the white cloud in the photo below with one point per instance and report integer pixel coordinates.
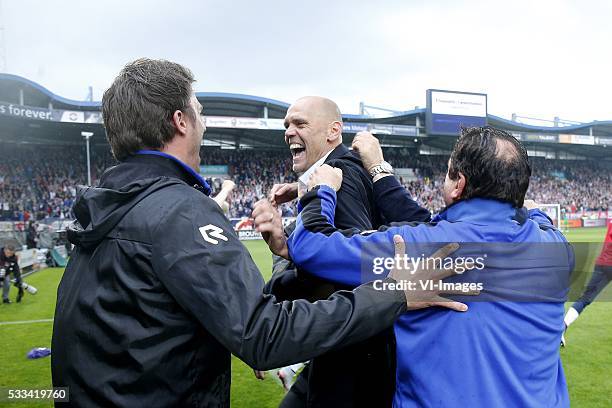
(536, 58)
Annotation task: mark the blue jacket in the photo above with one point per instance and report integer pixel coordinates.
(505, 350)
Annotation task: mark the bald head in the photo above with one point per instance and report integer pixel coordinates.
(313, 128)
(487, 163)
(505, 150)
(324, 107)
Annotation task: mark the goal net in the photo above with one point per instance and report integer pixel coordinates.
(554, 212)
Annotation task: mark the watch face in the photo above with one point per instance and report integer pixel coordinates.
(386, 167)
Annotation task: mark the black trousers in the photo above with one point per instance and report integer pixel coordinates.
(298, 393)
(358, 376)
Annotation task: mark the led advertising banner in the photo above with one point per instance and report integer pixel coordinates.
(210, 170)
(447, 111)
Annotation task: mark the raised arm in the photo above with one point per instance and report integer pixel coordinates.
(392, 199)
(395, 202)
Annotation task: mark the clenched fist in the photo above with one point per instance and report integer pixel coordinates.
(283, 193)
(368, 147)
(269, 223)
(326, 175)
(228, 185)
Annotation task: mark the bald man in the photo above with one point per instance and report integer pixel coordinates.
(360, 375)
(314, 135)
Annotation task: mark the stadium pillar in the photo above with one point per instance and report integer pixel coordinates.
(87, 135)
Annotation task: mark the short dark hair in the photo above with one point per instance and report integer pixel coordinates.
(138, 107)
(494, 163)
(10, 247)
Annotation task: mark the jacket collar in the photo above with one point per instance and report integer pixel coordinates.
(340, 151)
(168, 165)
(482, 211)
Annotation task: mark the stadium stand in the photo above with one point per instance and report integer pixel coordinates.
(39, 182)
(43, 153)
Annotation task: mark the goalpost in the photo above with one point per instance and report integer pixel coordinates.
(554, 212)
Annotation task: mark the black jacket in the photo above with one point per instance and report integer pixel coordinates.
(360, 375)
(159, 291)
(10, 264)
(355, 208)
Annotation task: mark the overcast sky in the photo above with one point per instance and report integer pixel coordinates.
(534, 58)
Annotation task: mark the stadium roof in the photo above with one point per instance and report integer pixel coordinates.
(18, 91)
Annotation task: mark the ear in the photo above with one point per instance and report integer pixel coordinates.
(335, 131)
(459, 187)
(179, 120)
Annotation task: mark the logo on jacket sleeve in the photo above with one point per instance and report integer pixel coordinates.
(212, 233)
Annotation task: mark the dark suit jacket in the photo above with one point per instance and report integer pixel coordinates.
(362, 375)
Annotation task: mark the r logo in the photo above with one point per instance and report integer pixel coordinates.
(210, 232)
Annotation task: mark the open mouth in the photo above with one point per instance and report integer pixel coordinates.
(298, 151)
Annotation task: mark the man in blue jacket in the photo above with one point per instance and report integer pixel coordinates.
(503, 353)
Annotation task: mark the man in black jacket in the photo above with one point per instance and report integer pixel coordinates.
(159, 290)
(361, 375)
(9, 265)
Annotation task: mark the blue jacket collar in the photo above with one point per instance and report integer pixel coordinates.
(482, 211)
(197, 178)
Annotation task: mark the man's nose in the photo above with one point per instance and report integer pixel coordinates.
(289, 133)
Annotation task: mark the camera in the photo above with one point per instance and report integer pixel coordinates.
(9, 267)
(24, 287)
(29, 288)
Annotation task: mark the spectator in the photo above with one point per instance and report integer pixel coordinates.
(37, 182)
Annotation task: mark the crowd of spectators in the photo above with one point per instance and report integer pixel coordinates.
(38, 182)
(254, 172)
(577, 185)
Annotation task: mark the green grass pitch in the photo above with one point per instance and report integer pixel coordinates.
(587, 359)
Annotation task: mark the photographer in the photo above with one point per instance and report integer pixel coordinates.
(8, 266)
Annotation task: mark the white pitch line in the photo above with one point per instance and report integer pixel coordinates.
(26, 322)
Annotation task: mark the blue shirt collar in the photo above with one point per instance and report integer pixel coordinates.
(482, 211)
(196, 176)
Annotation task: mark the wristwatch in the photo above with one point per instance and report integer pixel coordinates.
(382, 167)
